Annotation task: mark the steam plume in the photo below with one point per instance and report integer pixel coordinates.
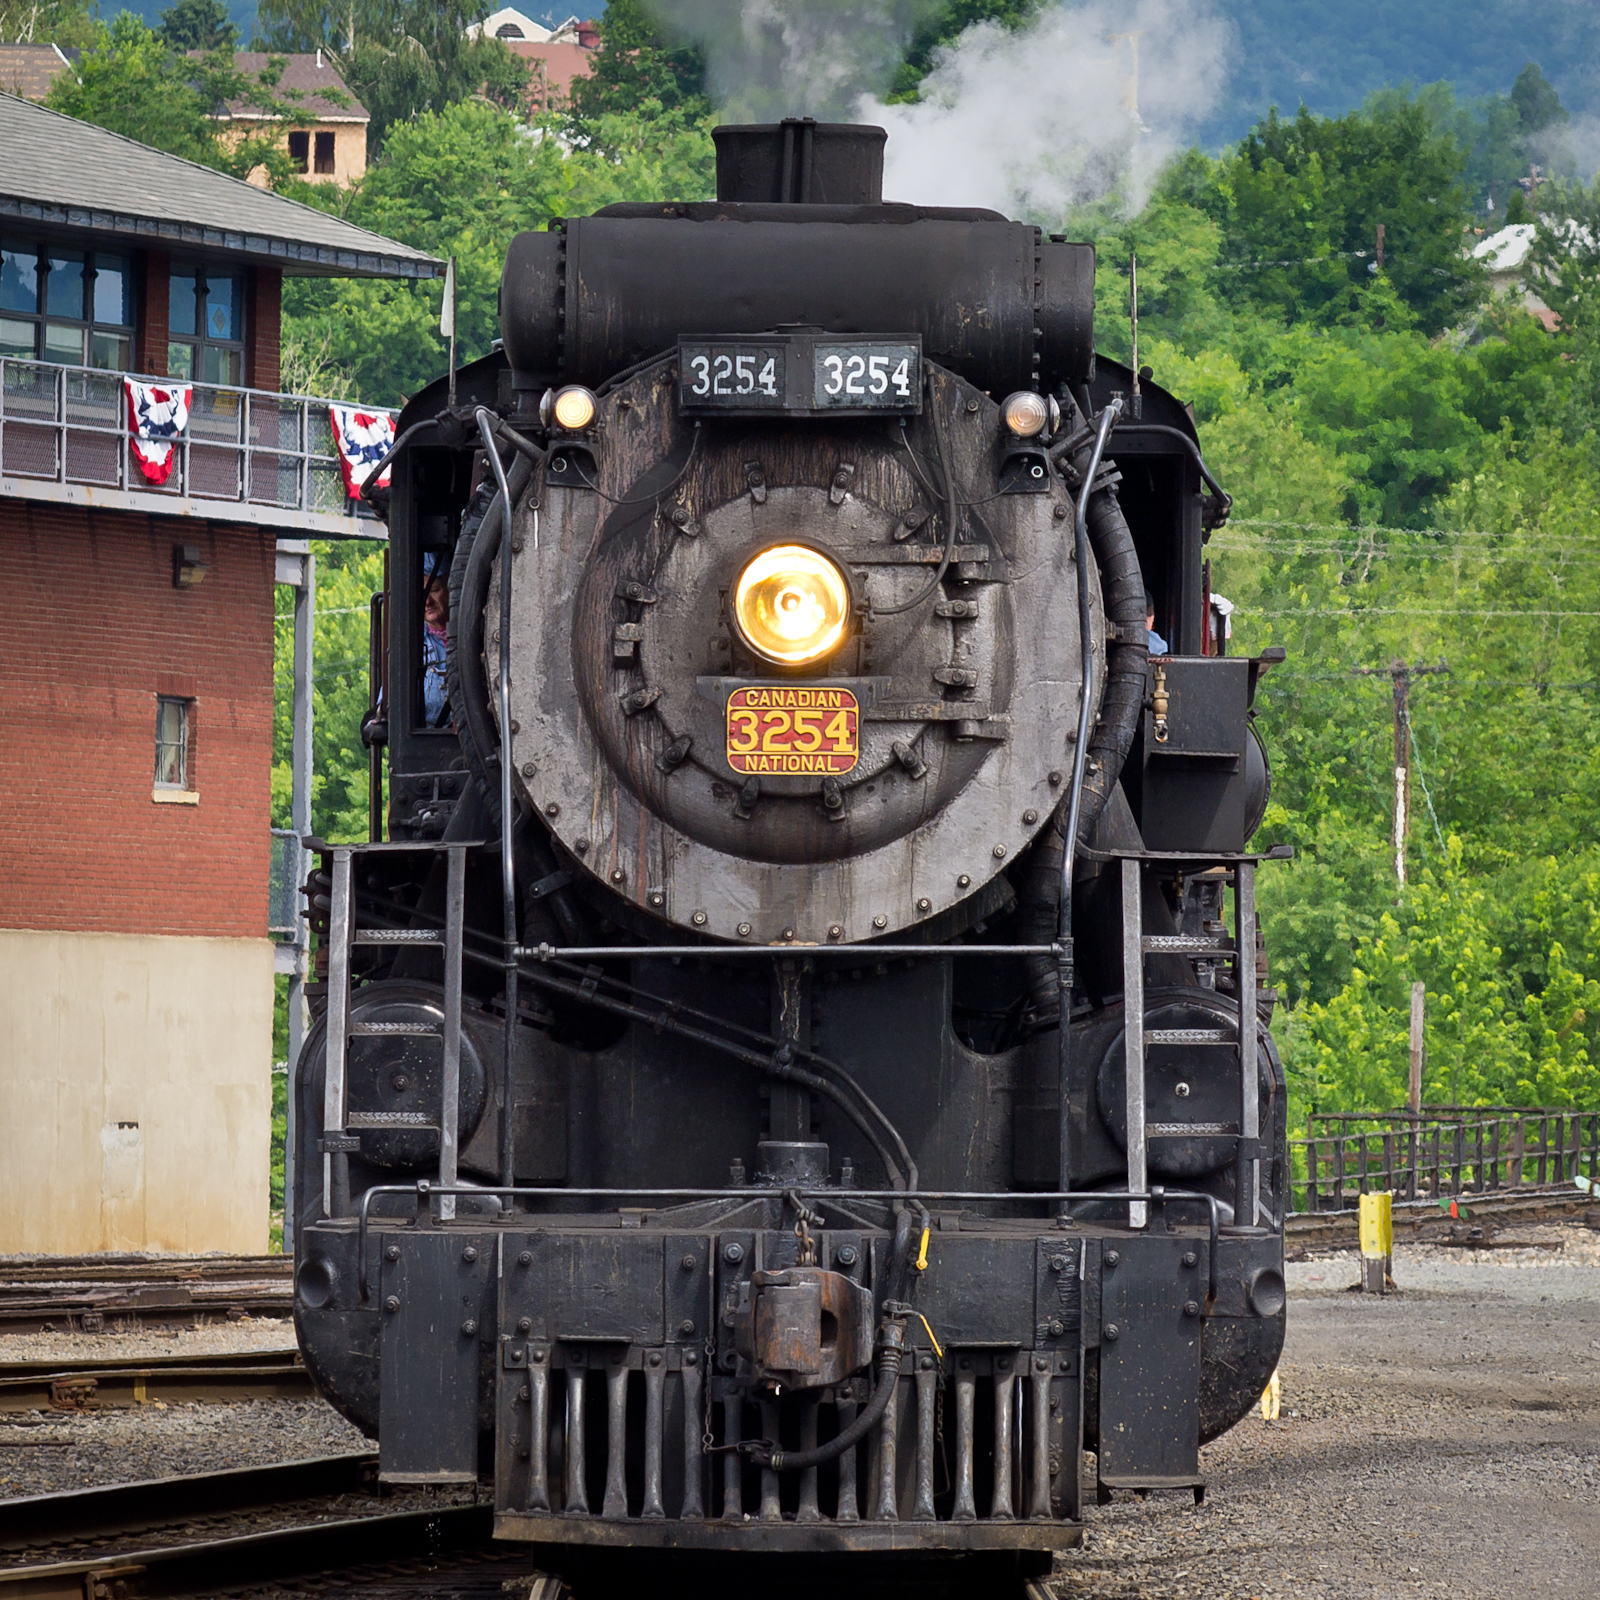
(1036, 122)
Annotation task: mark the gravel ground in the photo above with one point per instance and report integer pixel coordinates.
(1436, 1444)
(250, 1333)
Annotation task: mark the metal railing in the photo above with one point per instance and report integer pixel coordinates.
(1440, 1152)
(69, 426)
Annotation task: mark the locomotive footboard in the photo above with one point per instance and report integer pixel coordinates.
(797, 1074)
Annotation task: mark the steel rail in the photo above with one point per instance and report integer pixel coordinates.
(120, 1508)
(208, 1567)
(91, 1384)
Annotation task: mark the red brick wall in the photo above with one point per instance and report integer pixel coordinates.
(263, 329)
(98, 632)
(152, 306)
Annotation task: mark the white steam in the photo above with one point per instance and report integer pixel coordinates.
(1059, 114)
(767, 59)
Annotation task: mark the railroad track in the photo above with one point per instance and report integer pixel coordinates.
(88, 1294)
(89, 1384)
(1423, 1222)
(203, 1535)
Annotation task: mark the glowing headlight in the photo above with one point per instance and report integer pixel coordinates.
(1026, 413)
(792, 605)
(571, 409)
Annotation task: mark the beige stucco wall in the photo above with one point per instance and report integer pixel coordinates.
(135, 1092)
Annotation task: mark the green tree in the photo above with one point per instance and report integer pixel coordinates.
(197, 25)
(947, 25)
(132, 82)
(640, 62)
(68, 23)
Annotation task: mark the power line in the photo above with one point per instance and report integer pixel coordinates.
(1408, 611)
(1355, 530)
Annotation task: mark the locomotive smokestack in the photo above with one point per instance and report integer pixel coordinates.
(801, 162)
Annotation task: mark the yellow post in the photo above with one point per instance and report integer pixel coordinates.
(1271, 1398)
(1377, 1242)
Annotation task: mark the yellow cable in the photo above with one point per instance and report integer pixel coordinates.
(931, 1339)
(922, 1255)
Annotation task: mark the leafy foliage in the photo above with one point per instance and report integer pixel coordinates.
(638, 65)
(197, 25)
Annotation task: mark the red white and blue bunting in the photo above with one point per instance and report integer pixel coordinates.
(363, 439)
(157, 417)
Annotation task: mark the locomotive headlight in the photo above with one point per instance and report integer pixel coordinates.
(571, 409)
(791, 605)
(1027, 414)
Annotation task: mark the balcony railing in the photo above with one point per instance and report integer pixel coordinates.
(248, 454)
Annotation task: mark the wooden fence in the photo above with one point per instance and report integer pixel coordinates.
(1440, 1151)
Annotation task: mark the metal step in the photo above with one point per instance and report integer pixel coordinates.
(1188, 1036)
(1190, 1130)
(391, 1119)
(1186, 943)
(396, 936)
(404, 1030)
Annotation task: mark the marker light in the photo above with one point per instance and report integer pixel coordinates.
(792, 605)
(1026, 413)
(572, 409)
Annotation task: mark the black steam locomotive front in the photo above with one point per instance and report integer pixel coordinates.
(736, 1119)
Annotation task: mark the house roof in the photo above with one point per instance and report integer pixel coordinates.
(71, 175)
(29, 69)
(509, 24)
(309, 83)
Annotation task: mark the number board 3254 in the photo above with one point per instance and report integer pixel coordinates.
(733, 377)
(866, 375)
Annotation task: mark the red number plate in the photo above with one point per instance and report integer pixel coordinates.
(794, 732)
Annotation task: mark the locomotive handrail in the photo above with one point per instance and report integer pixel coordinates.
(686, 952)
(1156, 1194)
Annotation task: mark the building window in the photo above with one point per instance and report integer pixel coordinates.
(325, 152)
(300, 151)
(172, 744)
(70, 306)
(205, 326)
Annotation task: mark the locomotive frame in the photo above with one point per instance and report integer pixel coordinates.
(584, 1208)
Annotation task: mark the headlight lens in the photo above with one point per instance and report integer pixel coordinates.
(792, 605)
(1026, 413)
(573, 409)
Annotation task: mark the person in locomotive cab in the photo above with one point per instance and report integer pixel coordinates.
(435, 625)
(1158, 645)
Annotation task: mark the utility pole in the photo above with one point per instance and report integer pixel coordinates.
(1401, 674)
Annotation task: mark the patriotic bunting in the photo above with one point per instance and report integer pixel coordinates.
(156, 419)
(363, 439)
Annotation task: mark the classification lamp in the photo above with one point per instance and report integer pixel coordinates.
(571, 409)
(791, 605)
(1027, 414)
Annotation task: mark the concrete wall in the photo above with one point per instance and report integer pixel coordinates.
(135, 1092)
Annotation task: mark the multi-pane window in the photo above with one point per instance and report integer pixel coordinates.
(205, 326)
(71, 306)
(300, 151)
(172, 743)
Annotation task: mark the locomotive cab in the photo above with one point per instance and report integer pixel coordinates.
(796, 1074)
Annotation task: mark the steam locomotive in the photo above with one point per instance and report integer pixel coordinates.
(796, 1074)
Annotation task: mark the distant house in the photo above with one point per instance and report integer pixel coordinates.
(331, 144)
(28, 70)
(556, 57)
(1505, 254)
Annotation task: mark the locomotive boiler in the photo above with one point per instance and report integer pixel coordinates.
(795, 1075)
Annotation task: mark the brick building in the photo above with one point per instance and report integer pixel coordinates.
(134, 852)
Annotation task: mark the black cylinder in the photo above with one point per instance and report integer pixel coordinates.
(800, 162)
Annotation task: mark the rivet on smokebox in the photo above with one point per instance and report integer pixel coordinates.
(618, 875)
(528, 769)
(880, 923)
(745, 930)
(963, 882)
(999, 852)
(835, 931)
(1029, 818)
(552, 810)
(924, 905)
(698, 918)
(658, 900)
